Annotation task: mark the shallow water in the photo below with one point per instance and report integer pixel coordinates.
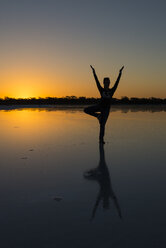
(58, 190)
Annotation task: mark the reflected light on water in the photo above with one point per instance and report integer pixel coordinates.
(44, 154)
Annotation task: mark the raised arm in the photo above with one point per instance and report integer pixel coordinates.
(118, 79)
(96, 79)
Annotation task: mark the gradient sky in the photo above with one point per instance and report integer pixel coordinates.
(46, 47)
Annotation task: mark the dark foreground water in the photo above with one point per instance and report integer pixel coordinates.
(59, 189)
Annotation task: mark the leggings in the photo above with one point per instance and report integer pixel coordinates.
(101, 112)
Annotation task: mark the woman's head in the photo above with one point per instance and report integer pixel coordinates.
(106, 82)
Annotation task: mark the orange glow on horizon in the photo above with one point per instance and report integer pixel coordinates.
(35, 83)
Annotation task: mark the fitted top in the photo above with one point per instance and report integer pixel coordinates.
(106, 96)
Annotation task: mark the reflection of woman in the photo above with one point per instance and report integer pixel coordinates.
(101, 175)
(101, 110)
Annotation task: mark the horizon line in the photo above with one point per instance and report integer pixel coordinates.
(75, 97)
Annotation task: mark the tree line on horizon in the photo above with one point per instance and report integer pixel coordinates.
(78, 100)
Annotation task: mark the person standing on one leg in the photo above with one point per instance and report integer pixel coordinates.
(101, 110)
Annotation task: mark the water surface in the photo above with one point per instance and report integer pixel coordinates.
(58, 190)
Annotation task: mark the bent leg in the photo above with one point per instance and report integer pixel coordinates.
(93, 110)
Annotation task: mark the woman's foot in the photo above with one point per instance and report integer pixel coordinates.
(102, 142)
(99, 117)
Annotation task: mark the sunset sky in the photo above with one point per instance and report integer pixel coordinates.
(46, 47)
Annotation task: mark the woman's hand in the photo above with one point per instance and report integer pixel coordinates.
(121, 69)
(92, 68)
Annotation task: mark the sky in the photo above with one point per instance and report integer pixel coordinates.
(47, 46)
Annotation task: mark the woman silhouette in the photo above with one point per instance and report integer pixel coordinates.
(101, 110)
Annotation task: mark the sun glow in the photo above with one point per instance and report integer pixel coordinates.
(25, 85)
